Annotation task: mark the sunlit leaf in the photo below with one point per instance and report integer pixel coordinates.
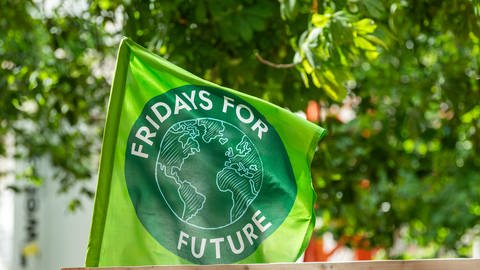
(363, 43)
(364, 26)
(320, 20)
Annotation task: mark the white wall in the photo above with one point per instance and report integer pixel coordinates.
(7, 205)
(6, 226)
(62, 235)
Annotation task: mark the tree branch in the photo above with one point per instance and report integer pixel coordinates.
(271, 64)
(315, 6)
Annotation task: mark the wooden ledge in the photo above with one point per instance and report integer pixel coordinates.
(435, 264)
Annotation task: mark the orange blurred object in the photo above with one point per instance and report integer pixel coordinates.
(365, 254)
(315, 251)
(366, 133)
(313, 111)
(364, 183)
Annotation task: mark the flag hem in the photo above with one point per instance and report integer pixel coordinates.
(106, 161)
(317, 137)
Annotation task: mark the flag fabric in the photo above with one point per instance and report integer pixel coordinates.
(195, 173)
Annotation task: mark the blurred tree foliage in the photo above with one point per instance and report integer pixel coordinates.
(397, 81)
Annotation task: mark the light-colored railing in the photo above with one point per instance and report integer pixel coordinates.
(448, 264)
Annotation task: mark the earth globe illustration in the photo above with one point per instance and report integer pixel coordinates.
(208, 171)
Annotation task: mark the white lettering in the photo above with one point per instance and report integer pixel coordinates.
(191, 98)
(138, 152)
(180, 105)
(240, 241)
(202, 248)
(239, 114)
(153, 123)
(217, 242)
(258, 222)
(227, 103)
(204, 97)
(261, 126)
(161, 117)
(181, 240)
(248, 231)
(198, 245)
(144, 135)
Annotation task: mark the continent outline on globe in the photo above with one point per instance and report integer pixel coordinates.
(208, 129)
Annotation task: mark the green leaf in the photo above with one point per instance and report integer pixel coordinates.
(326, 80)
(245, 30)
(256, 23)
(74, 205)
(342, 34)
(471, 115)
(372, 55)
(310, 56)
(13, 188)
(364, 26)
(305, 80)
(331, 92)
(376, 40)
(316, 79)
(374, 7)
(363, 43)
(320, 20)
(201, 12)
(307, 67)
(104, 4)
(288, 9)
(328, 74)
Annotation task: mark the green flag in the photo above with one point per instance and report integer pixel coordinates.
(195, 173)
